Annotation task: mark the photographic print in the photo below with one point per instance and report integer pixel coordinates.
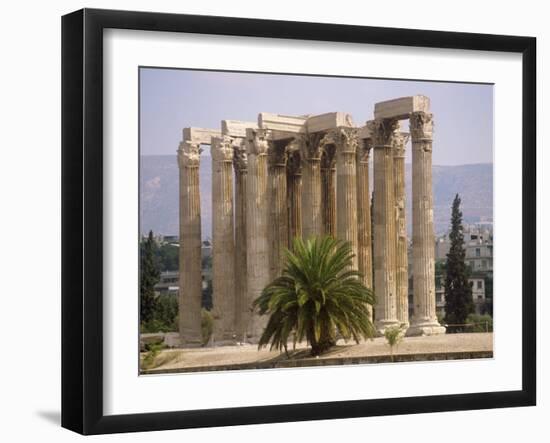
(290, 221)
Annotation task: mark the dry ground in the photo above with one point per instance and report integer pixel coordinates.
(224, 356)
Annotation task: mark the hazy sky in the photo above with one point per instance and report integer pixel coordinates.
(172, 99)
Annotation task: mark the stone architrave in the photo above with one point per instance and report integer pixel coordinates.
(401, 108)
(402, 270)
(240, 165)
(328, 189)
(223, 242)
(294, 193)
(278, 217)
(312, 218)
(424, 320)
(346, 142)
(257, 257)
(190, 269)
(364, 237)
(384, 133)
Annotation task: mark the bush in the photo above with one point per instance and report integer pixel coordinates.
(153, 326)
(165, 315)
(207, 326)
(393, 335)
(480, 323)
(153, 349)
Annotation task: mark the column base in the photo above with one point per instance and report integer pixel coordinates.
(251, 341)
(188, 342)
(424, 328)
(382, 325)
(223, 342)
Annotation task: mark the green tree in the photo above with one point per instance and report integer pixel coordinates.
(168, 257)
(317, 296)
(206, 296)
(488, 307)
(166, 312)
(148, 278)
(458, 290)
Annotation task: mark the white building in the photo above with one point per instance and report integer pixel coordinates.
(478, 245)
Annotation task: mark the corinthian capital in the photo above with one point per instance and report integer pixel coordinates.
(257, 141)
(240, 157)
(345, 139)
(421, 124)
(309, 145)
(363, 150)
(399, 143)
(189, 155)
(384, 131)
(222, 149)
(294, 165)
(277, 154)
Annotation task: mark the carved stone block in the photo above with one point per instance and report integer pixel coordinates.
(201, 136)
(401, 108)
(328, 121)
(236, 128)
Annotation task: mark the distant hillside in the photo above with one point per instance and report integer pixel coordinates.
(159, 193)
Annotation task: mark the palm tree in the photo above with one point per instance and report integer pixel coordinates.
(317, 296)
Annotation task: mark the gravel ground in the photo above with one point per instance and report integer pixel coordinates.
(227, 355)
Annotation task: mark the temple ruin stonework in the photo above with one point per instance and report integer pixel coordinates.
(302, 176)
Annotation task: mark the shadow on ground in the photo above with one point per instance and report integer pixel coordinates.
(54, 417)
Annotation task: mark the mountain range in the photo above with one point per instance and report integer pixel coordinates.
(159, 179)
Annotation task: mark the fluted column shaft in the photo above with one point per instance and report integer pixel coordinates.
(424, 321)
(402, 274)
(328, 190)
(364, 237)
(346, 176)
(312, 218)
(383, 132)
(278, 217)
(294, 196)
(190, 272)
(223, 242)
(240, 166)
(257, 258)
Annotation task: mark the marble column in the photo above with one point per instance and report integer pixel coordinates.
(328, 190)
(346, 189)
(240, 165)
(402, 274)
(278, 217)
(383, 133)
(364, 237)
(312, 218)
(190, 265)
(424, 320)
(257, 257)
(294, 195)
(223, 242)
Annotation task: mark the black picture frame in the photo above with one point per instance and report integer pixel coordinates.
(82, 218)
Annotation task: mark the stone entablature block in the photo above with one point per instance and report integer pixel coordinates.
(328, 121)
(282, 123)
(202, 136)
(401, 108)
(236, 128)
(364, 133)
